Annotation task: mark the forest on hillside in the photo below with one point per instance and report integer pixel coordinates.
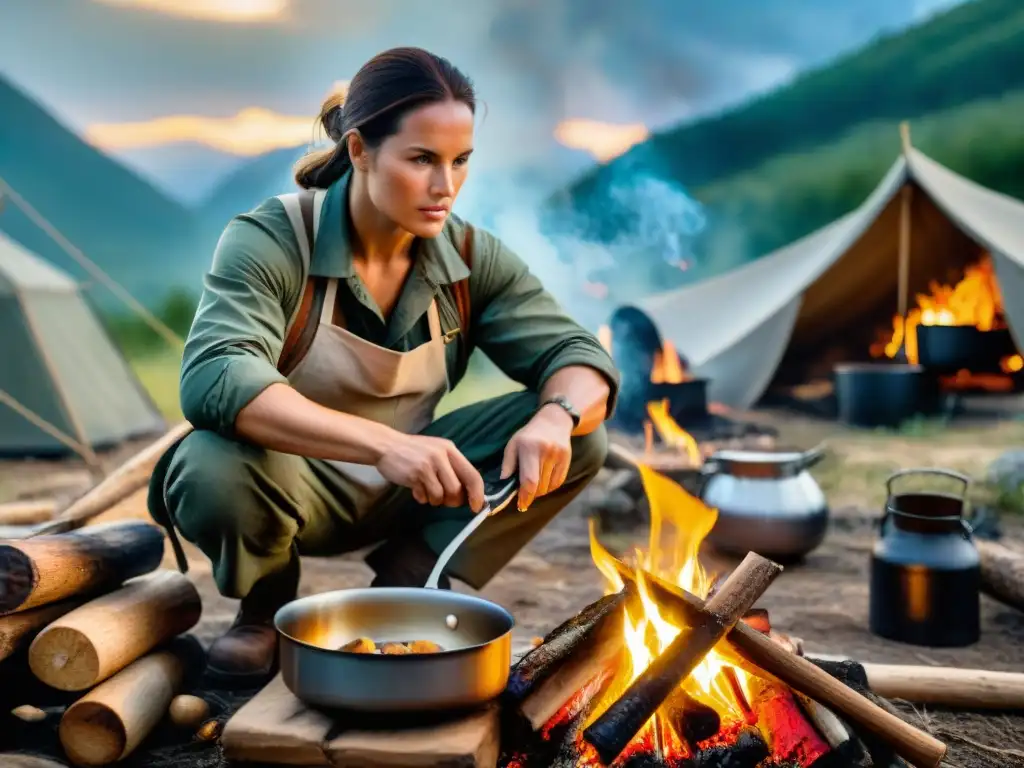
(794, 159)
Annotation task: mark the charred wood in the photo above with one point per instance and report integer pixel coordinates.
(691, 719)
(749, 750)
(48, 568)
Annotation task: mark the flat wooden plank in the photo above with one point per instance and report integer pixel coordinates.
(275, 727)
(469, 742)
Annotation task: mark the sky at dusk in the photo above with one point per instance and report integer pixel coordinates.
(184, 90)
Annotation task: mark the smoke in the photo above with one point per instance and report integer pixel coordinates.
(651, 251)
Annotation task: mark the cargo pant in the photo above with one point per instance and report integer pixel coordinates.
(250, 510)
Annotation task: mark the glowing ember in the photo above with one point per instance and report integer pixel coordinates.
(679, 523)
(975, 300)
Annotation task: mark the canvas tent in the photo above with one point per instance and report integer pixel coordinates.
(735, 329)
(57, 362)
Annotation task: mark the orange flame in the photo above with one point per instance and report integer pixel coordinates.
(605, 141)
(975, 300)
(667, 367)
(679, 524)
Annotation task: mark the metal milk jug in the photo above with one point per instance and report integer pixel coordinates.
(925, 569)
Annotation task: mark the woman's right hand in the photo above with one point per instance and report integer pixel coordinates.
(434, 469)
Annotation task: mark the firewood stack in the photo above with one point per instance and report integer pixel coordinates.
(96, 617)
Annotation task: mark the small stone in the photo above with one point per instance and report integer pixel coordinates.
(28, 713)
(188, 711)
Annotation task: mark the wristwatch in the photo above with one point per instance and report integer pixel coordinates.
(563, 402)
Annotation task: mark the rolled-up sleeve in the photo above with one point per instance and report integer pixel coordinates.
(522, 328)
(238, 332)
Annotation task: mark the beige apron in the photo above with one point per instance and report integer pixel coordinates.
(346, 373)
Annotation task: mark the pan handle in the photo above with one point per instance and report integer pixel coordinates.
(494, 502)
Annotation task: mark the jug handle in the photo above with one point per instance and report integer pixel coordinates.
(928, 471)
(810, 457)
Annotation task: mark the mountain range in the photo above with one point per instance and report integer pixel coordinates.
(737, 165)
(142, 238)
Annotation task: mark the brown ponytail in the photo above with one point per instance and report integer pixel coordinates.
(384, 90)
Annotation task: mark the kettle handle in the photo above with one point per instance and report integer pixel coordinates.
(928, 471)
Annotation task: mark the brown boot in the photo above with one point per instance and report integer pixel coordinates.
(246, 655)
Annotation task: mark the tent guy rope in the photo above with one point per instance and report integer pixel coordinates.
(6, 190)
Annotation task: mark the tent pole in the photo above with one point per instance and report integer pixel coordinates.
(906, 198)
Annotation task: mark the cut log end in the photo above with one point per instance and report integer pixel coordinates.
(64, 658)
(92, 734)
(17, 578)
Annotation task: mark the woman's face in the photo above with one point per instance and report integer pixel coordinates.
(415, 175)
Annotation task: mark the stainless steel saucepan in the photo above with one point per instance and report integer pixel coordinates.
(475, 636)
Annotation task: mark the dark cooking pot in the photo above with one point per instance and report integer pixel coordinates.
(925, 573)
(951, 348)
(883, 394)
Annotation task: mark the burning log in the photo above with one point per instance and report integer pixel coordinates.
(1002, 573)
(91, 643)
(915, 745)
(620, 723)
(561, 644)
(789, 735)
(48, 568)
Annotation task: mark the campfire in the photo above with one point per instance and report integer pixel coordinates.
(666, 669)
(974, 302)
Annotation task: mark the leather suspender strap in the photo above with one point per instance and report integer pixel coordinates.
(460, 290)
(300, 337)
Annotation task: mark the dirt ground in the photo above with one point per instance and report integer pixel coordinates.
(823, 600)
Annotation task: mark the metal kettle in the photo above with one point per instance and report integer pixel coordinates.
(925, 568)
(767, 502)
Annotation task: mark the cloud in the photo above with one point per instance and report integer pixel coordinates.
(250, 132)
(229, 11)
(605, 141)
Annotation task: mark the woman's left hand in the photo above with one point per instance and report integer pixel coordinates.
(541, 451)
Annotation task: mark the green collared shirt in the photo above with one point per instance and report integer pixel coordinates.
(253, 289)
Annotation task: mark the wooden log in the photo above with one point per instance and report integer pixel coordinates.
(754, 648)
(27, 512)
(18, 629)
(970, 689)
(45, 569)
(110, 721)
(93, 642)
(561, 643)
(128, 478)
(620, 723)
(1002, 573)
(790, 737)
